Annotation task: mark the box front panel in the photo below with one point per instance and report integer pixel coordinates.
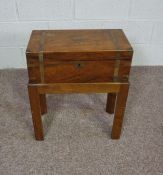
(85, 71)
(76, 71)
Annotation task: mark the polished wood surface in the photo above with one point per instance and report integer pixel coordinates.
(78, 55)
(78, 61)
(78, 87)
(80, 44)
(77, 71)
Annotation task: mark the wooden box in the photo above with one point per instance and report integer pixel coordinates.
(73, 56)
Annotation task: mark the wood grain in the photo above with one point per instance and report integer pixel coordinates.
(80, 44)
(76, 71)
(79, 71)
(77, 87)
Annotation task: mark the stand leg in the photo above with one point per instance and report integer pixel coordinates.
(110, 105)
(119, 111)
(35, 102)
(43, 104)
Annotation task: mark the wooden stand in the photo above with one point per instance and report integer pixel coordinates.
(38, 103)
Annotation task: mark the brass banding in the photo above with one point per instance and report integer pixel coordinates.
(116, 69)
(118, 56)
(41, 61)
(41, 57)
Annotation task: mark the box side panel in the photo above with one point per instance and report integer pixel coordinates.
(33, 69)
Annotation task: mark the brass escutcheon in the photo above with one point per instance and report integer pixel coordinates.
(79, 65)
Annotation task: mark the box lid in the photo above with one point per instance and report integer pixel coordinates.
(80, 44)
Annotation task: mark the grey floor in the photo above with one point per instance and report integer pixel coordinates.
(77, 130)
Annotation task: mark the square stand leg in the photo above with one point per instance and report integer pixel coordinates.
(119, 111)
(43, 104)
(110, 104)
(35, 103)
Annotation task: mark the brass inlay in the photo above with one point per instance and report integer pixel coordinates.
(125, 77)
(116, 69)
(41, 61)
(41, 58)
(118, 56)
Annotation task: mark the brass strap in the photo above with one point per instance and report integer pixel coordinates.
(41, 58)
(116, 68)
(41, 61)
(117, 61)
